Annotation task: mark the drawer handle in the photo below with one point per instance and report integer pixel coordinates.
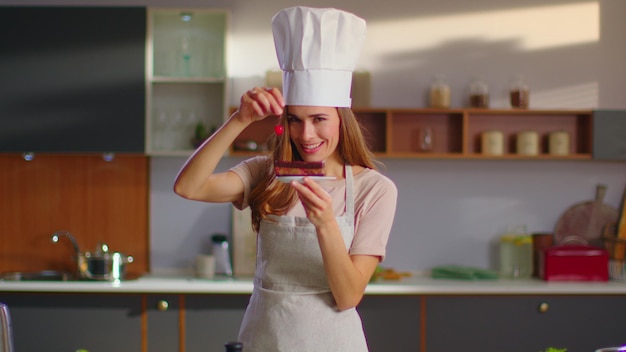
(162, 305)
(543, 307)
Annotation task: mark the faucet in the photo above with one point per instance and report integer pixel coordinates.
(63, 233)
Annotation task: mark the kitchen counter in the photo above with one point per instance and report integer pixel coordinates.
(416, 285)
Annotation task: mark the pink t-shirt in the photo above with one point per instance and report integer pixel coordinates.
(375, 198)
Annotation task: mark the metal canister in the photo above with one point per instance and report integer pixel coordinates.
(492, 142)
(558, 143)
(528, 143)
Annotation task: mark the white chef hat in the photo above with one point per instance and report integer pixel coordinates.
(317, 51)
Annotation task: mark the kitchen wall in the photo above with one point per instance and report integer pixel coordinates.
(448, 211)
(571, 53)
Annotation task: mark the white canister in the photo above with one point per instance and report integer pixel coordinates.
(204, 266)
(558, 143)
(492, 143)
(528, 143)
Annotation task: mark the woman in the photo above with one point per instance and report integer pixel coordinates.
(318, 244)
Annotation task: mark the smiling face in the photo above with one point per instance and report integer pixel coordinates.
(314, 130)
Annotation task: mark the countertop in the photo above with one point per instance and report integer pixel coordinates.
(415, 285)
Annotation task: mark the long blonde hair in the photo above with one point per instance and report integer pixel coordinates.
(273, 197)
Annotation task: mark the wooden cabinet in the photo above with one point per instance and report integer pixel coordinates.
(96, 200)
(72, 79)
(524, 323)
(68, 322)
(186, 77)
(454, 133)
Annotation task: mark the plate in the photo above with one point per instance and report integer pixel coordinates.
(288, 179)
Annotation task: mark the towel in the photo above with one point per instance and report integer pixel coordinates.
(459, 272)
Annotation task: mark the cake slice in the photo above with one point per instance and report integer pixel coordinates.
(298, 168)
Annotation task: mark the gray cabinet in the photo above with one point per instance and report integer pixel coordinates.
(163, 315)
(392, 323)
(212, 319)
(193, 323)
(524, 323)
(73, 79)
(412, 323)
(609, 134)
(67, 322)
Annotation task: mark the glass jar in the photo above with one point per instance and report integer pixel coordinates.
(519, 93)
(507, 256)
(516, 253)
(439, 93)
(523, 256)
(479, 94)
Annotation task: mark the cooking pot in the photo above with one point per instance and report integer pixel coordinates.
(103, 265)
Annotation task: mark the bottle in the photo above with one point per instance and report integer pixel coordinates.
(439, 93)
(479, 94)
(221, 252)
(233, 346)
(519, 93)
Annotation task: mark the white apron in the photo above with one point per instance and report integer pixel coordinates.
(291, 307)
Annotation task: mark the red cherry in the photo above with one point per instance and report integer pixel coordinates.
(279, 130)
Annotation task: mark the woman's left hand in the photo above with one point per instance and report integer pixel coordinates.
(317, 203)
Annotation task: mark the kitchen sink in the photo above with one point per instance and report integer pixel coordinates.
(43, 275)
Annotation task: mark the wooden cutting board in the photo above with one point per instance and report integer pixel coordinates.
(584, 222)
(620, 250)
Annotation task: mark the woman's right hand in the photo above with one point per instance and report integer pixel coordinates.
(259, 102)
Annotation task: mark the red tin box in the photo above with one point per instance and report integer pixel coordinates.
(574, 263)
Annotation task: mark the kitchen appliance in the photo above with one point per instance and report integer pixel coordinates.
(99, 265)
(221, 252)
(574, 263)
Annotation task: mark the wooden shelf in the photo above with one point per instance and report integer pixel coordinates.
(456, 133)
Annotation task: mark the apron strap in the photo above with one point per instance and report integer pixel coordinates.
(349, 194)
